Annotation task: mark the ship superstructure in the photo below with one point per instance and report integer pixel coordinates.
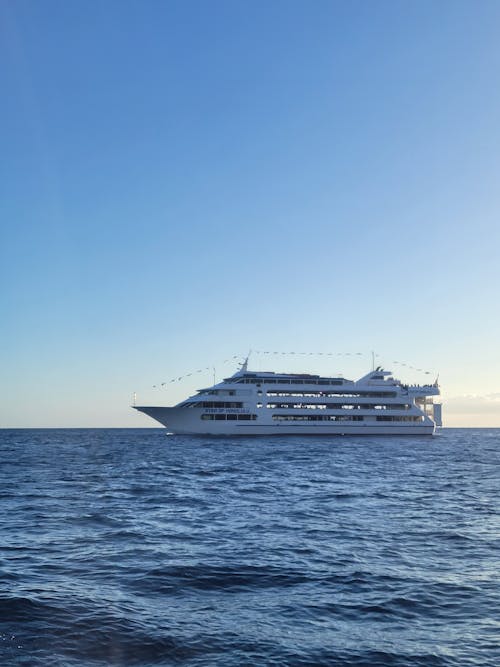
(256, 403)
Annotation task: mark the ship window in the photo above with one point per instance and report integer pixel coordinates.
(316, 418)
(229, 417)
(338, 393)
(222, 404)
(399, 419)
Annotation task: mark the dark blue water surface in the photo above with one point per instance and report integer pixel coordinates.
(131, 547)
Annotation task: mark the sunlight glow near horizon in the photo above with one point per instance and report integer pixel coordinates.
(183, 182)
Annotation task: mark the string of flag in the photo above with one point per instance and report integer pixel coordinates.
(413, 368)
(273, 352)
(319, 354)
(200, 370)
(342, 354)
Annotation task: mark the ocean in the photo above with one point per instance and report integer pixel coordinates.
(134, 548)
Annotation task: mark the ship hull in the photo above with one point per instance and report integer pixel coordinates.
(183, 422)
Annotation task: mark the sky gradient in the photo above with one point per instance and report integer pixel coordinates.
(184, 181)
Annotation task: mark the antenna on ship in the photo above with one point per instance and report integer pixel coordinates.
(244, 365)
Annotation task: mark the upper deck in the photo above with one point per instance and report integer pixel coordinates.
(376, 381)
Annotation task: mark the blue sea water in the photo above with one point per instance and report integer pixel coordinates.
(131, 547)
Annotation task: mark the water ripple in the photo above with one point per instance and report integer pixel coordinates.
(128, 547)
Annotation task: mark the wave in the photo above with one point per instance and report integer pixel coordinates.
(210, 577)
(124, 549)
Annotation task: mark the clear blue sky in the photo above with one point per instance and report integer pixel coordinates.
(183, 181)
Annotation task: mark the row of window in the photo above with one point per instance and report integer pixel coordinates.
(213, 404)
(400, 419)
(338, 406)
(328, 394)
(282, 381)
(231, 417)
(310, 406)
(341, 418)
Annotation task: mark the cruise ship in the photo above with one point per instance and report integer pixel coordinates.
(255, 403)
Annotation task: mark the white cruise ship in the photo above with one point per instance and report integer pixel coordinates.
(254, 403)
